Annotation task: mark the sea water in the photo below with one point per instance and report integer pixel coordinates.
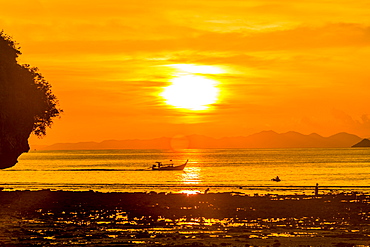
(246, 171)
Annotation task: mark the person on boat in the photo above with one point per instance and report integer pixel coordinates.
(277, 179)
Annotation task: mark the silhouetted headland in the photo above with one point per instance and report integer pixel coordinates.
(26, 103)
(362, 143)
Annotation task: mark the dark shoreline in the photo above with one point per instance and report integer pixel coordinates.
(153, 219)
(175, 188)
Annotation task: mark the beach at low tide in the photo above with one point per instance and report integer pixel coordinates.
(88, 218)
(112, 198)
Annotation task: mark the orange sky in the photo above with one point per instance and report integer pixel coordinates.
(260, 65)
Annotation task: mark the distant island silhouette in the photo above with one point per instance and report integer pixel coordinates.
(264, 139)
(362, 143)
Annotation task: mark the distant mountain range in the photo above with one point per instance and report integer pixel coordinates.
(264, 139)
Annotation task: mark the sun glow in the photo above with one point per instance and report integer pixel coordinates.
(191, 89)
(197, 69)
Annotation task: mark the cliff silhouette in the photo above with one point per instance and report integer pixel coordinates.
(27, 104)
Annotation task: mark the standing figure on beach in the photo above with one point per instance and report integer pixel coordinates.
(317, 189)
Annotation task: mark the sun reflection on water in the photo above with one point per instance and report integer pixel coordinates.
(191, 175)
(190, 192)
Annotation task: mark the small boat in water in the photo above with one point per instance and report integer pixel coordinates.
(168, 167)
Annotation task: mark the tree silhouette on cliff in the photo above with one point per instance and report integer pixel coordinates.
(27, 104)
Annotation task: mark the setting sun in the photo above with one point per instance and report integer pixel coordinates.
(191, 88)
(191, 92)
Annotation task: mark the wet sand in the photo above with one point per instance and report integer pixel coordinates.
(60, 218)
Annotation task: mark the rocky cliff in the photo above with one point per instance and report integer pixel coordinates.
(26, 103)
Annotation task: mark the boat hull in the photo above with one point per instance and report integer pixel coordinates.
(170, 168)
